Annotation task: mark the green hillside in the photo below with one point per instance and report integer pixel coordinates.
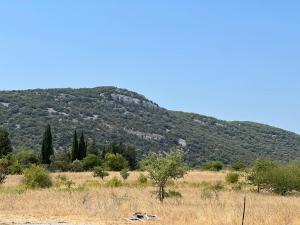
(108, 113)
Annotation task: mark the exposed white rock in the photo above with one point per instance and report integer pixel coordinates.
(18, 126)
(51, 110)
(220, 125)
(125, 98)
(131, 100)
(143, 135)
(94, 117)
(182, 142)
(201, 122)
(5, 104)
(150, 105)
(64, 114)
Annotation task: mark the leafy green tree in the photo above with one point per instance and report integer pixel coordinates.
(47, 146)
(99, 171)
(82, 147)
(26, 156)
(259, 174)
(13, 165)
(77, 166)
(127, 151)
(163, 168)
(91, 161)
(284, 179)
(75, 147)
(5, 144)
(115, 162)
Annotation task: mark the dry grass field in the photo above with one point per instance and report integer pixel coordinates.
(92, 203)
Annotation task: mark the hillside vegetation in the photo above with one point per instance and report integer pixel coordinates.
(107, 114)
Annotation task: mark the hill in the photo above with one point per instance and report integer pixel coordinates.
(108, 113)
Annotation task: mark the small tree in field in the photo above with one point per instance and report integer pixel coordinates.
(163, 168)
(99, 171)
(260, 172)
(124, 173)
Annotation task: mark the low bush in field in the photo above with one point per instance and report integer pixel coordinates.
(114, 182)
(212, 189)
(142, 179)
(213, 166)
(278, 178)
(77, 166)
(37, 177)
(239, 166)
(173, 194)
(124, 173)
(232, 178)
(62, 180)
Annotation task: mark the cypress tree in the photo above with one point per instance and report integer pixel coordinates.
(75, 150)
(93, 147)
(5, 144)
(82, 147)
(47, 147)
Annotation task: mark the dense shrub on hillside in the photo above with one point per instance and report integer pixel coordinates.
(37, 177)
(91, 161)
(213, 166)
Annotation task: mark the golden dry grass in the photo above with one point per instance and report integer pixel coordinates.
(108, 206)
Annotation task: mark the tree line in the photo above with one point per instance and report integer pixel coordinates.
(115, 156)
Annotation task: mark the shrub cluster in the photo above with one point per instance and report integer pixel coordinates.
(213, 166)
(278, 178)
(37, 177)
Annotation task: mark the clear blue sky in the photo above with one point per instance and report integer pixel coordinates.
(235, 60)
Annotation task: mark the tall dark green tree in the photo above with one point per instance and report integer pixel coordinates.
(47, 146)
(82, 147)
(92, 149)
(75, 147)
(5, 144)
